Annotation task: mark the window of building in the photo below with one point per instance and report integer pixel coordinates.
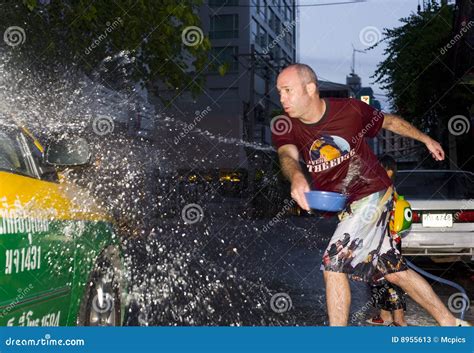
(256, 5)
(224, 26)
(278, 53)
(264, 9)
(253, 31)
(274, 21)
(288, 14)
(262, 39)
(289, 36)
(220, 3)
(224, 56)
(275, 50)
(277, 26)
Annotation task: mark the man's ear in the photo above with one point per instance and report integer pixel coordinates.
(311, 88)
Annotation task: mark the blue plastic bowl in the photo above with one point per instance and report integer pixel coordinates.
(326, 200)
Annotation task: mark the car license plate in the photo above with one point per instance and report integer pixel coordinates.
(439, 220)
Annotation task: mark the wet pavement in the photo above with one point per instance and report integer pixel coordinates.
(232, 270)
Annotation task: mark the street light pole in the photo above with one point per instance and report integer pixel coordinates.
(249, 108)
(251, 111)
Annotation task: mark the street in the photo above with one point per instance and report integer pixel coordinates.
(228, 270)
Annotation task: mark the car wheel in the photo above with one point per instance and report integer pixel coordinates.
(101, 305)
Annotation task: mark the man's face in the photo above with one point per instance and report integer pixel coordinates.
(294, 96)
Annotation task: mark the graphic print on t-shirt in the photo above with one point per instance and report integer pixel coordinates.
(327, 151)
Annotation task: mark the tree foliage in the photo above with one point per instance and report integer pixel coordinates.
(83, 33)
(417, 70)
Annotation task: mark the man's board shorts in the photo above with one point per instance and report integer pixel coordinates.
(361, 245)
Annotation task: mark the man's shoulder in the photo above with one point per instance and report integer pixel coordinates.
(343, 101)
(345, 104)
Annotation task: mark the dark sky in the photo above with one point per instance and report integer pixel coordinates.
(327, 34)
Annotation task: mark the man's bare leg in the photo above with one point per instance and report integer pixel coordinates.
(338, 297)
(421, 292)
(399, 317)
(386, 315)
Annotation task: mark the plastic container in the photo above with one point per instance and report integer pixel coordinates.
(326, 200)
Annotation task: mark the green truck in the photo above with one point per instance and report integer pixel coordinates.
(60, 259)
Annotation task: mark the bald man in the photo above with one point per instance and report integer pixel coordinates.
(330, 136)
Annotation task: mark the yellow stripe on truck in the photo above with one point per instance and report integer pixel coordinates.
(59, 201)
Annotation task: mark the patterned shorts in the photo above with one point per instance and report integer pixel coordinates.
(388, 297)
(361, 245)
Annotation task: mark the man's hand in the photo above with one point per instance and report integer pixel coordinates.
(289, 157)
(299, 186)
(435, 149)
(402, 127)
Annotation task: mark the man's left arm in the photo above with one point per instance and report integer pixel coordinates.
(402, 127)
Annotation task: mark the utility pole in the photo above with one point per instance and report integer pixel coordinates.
(251, 111)
(253, 62)
(354, 50)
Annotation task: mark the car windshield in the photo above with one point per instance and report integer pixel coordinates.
(442, 185)
(11, 156)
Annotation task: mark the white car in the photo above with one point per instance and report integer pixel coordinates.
(442, 202)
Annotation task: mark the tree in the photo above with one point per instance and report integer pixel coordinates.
(161, 36)
(417, 71)
(414, 72)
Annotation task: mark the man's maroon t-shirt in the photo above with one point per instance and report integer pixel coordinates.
(335, 150)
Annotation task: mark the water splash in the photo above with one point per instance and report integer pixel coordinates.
(173, 280)
(353, 173)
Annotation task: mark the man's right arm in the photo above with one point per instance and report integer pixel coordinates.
(289, 162)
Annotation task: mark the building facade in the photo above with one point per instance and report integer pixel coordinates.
(251, 41)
